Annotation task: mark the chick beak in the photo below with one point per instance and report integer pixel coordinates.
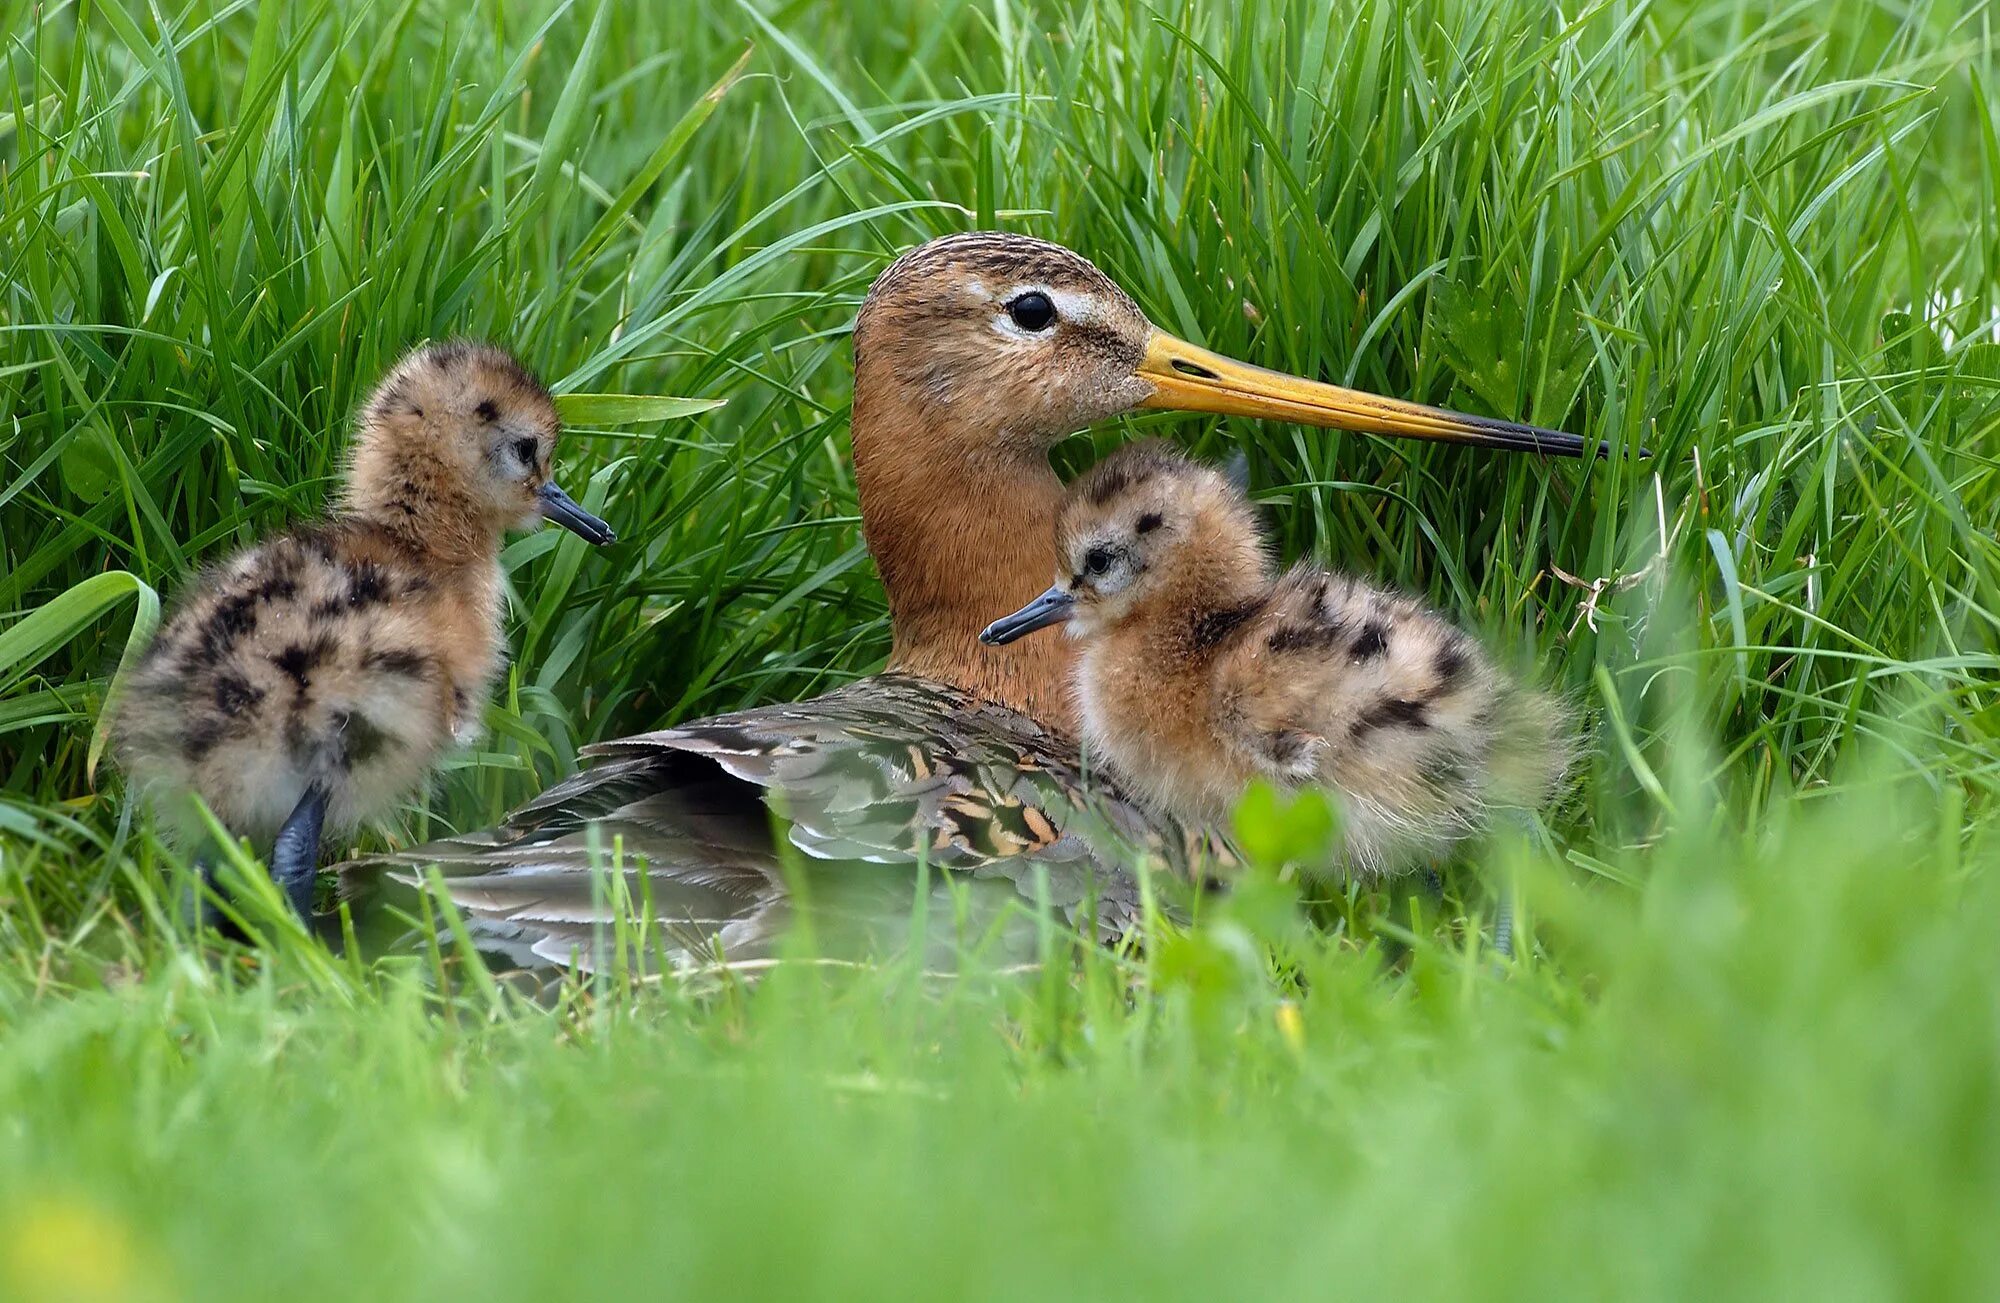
(1052, 607)
(565, 511)
(1192, 379)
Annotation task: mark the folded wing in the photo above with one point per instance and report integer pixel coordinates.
(720, 826)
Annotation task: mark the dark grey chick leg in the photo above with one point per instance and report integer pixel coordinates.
(295, 855)
(199, 905)
(1503, 927)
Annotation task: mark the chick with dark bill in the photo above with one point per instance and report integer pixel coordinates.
(316, 678)
(1200, 671)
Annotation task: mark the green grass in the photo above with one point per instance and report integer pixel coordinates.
(1750, 1043)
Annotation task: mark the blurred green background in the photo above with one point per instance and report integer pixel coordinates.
(1750, 1043)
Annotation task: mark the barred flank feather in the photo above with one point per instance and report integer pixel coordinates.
(869, 778)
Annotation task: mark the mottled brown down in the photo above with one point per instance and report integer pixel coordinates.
(353, 651)
(1200, 671)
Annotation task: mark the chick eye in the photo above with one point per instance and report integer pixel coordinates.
(1032, 311)
(524, 450)
(1097, 561)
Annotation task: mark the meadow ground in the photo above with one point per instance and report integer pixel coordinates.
(1751, 1041)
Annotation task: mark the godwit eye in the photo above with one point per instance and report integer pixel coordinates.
(1032, 311)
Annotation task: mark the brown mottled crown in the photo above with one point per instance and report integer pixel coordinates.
(454, 378)
(1129, 467)
(1191, 486)
(1001, 257)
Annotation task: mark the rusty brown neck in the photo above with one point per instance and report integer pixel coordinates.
(961, 524)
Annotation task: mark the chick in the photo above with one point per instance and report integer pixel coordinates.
(315, 678)
(1201, 671)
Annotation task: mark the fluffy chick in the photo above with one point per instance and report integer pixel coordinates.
(318, 676)
(1201, 671)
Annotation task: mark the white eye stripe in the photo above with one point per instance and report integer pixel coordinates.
(1070, 305)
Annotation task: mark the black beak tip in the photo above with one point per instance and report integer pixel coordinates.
(594, 532)
(561, 509)
(1561, 443)
(1052, 607)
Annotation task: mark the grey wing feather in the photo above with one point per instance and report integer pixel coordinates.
(867, 778)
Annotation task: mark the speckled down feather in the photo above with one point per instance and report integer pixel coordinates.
(1201, 672)
(311, 658)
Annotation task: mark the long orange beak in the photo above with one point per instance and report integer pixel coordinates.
(1191, 379)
